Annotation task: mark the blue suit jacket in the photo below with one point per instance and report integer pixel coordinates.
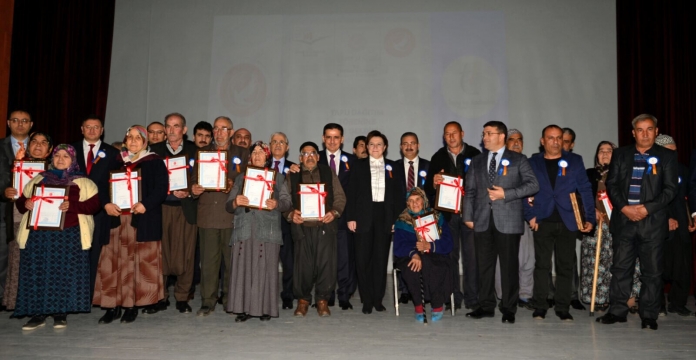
(558, 197)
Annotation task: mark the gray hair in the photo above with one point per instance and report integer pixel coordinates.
(224, 118)
(281, 134)
(643, 117)
(513, 132)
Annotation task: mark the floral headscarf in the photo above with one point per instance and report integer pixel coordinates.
(405, 220)
(266, 150)
(129, 157)
(54, 176)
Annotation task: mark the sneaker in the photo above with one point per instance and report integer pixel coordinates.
(60, 321)
(420, 317)
(436, 316)
(35, 322)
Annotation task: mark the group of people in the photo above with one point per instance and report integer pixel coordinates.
(513, 215)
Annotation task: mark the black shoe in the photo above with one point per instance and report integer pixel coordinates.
(679, 310)
(380, 308)
(219, 300)
(509, 318)
(403, 299)
(525, 304)
(204, 311)
(577, 305)
(345, 305)
(242, 318)
(35, 322)
(332, 302)
(564, 316)
(129, 315)
(151, 309)
(551, 302)
(183, 307)
(287, 304)
(367, 309)
(539, 314)
(650, 324)
(458, 306)
(111, 315)
(663, 310)
(479, 313)
(611, 319)
(60, 321)
(265, 318)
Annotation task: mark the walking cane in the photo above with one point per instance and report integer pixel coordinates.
(425, 314)
(596, 263)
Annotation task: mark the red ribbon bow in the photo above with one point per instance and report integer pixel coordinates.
(28, 172)
(128, 179)
(269, 183)
(320, 196)
(40, 199)
(169, 170)
(223, 167)
(424, 231)
(460, 190)
(603, 196)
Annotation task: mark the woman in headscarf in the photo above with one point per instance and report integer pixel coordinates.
(598, 177)
(129, 274)
(420, 260)
(40, 146)
(256, 242)
(54, 265)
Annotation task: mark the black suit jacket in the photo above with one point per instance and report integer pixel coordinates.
(400, 167)
(284, 225)
(442, 161)
(677, 208)
(656, 191)
(344, 170)
(359, 204)
(6, 162)
(692, 182)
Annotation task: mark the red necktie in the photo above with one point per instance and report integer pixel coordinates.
(90, 158)
(411, 177)
(275, 167)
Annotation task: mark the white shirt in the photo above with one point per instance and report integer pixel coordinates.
(498, 157)
(415, 170)
(15, 144)
(95, 150)
(377, 178)
(337, 159)
(281, 164)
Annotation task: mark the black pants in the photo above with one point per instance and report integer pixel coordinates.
(463, 244)
(315, 263)
(678, 266)
(491, 245)
(550, 237)
(436, 275)
(629, 244)
(371, 257)
(287, 260)
(102, 230)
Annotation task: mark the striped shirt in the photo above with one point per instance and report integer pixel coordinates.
(639, 164)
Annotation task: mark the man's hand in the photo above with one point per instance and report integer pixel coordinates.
(112, 209)
(228, 188)
(197, 189)
(10, 192)
(328, 217)
(181, 194)
(437, 179)
(297, 217)
(469, 224)
(352, 226)
(673, 224)
(271, 204)
(692, 228)
(587, 228)
(294, 168)
(496, 193)
(415, 264)
(241, 200)
(533, 224)
(633, 213)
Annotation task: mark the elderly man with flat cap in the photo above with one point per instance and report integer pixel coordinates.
(315, 240)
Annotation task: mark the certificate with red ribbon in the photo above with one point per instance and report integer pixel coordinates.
(449, 194)
(212, 170)
(258, 186)
(23, 172)
(125, 188)
(46, 214)
(426, 227)
(312, 201)
(178, 176)
(605, 204)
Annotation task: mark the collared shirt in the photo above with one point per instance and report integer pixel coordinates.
(377, 178)
(95, 150)
(415, 169)
(15, 144)
(176, 151)
(281, 164)
(498, 157)
(453, 156)
(337, 159)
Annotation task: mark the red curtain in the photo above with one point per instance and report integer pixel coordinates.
(61, 56)
(657, 68)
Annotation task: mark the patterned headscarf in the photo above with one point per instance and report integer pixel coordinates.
(266, 150)
(48, 139)
(126, 155)
(602, 169)
(664, 140)
(405, 220)
(54, 176)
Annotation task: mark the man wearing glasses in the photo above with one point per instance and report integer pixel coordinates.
(315, 240)
(156, 133)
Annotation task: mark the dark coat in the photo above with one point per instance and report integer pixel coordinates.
(344, 171)
(677, 208)
(442, 161)
(423, 165)
(155, 183)
(189, 205)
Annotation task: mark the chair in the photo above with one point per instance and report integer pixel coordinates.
(396, 292)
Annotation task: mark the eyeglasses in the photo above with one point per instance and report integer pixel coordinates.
(489, 134)
(92, 127)
(606, 151)
(276, 142)
(155, 132)
(219, 129)
(307, 154)
(23, 121)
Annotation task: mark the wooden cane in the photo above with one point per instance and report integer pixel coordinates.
(596, 263)
(422, 290)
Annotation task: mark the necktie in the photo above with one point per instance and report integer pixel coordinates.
(21, 152)
(491, 169)
(332, 163)
(411, 180)
(275, 167)
(90, 158)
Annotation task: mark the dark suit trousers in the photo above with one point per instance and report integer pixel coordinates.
(678, 267)
(287, 260)
(371, 257)
(347, 278)
(549, 237)
(628, 245)
(463, 244)
(491, 245)
(102, 232)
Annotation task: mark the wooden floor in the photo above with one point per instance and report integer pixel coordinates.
(348, 334)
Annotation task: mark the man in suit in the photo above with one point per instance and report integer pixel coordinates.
(559, 173)
(19, 123)
(497, 184)
(97, 159)
(340, 163)
(415, 170)
(279, 149)
(454, 159)
(214, 222)
(641, 183)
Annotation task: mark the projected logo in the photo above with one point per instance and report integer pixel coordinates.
(470, 86)
(399, 42)
(243, 89)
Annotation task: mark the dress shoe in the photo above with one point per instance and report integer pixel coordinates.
(525, 304)
(183, 307)
(403, 299)
(611, 319)
(204, 311)
(650, 324)
(242, 318)
(265, 318)
(36, 321)
(345, 305)
(302, 306)
(577, 305)
(129, 315)
(479, 313)
(110, 315)
(367, 309)
(219, 300)
(662, 311)
(509, 318)
(380, 308)
(436, 316)
(323, 308)
(679, 310)
(539, 314)
(287, 304)
(60, 321)
(564, 316)
(151, 309)
(331, 302)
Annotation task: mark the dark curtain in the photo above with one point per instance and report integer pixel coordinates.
(61, 56)
(657, 68)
